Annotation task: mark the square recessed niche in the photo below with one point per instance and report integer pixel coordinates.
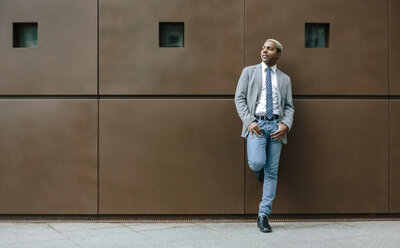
(316, 35)
(171, 34)
(25, 34)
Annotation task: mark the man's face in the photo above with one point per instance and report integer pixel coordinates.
(269, 53)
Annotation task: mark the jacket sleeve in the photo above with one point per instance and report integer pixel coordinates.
(241, 99)
(288, 110)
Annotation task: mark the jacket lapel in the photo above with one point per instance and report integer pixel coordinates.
(281, 86)
(258, 78)
(279, 79)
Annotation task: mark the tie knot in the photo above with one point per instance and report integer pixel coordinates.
(268, 69)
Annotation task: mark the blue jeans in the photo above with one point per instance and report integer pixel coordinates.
(264, 153)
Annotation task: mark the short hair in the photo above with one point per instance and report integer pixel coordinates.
(278, 45)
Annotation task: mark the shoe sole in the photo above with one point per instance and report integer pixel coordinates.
(261, 230)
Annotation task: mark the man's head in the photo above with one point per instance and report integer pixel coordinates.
(271, 51)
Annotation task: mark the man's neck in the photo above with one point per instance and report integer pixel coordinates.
(269, 65)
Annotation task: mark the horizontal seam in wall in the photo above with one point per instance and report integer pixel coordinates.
(222, 97)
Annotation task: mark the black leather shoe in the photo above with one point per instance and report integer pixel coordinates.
(260, 175)
(263, 225)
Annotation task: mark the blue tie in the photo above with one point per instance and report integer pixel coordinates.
(269, 110)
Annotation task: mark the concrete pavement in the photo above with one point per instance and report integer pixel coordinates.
(363, 234)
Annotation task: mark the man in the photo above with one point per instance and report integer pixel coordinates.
(264, 102)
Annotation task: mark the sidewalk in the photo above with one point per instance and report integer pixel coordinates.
(385, 234)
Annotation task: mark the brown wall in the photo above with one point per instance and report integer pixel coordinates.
(394, 52)
(394, 106)
(394, 158)
(48, 162)
(330, 160)
(337, 70)
(65, 62)
(169, 162)
(131, 62)
(334, 154)
(100, 120)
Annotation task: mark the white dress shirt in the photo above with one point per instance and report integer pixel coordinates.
(261, 106)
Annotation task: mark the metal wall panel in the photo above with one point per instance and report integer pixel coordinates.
(394, 158)
(48, 162)
(336, 160)
(394, 49)
(65, 61)
(354, 64)
(131, 61)
(170, 156)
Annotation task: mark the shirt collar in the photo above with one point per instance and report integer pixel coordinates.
(264, 66)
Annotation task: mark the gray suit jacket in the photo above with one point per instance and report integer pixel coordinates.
(248, 93)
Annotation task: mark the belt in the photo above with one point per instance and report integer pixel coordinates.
(265, 118)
